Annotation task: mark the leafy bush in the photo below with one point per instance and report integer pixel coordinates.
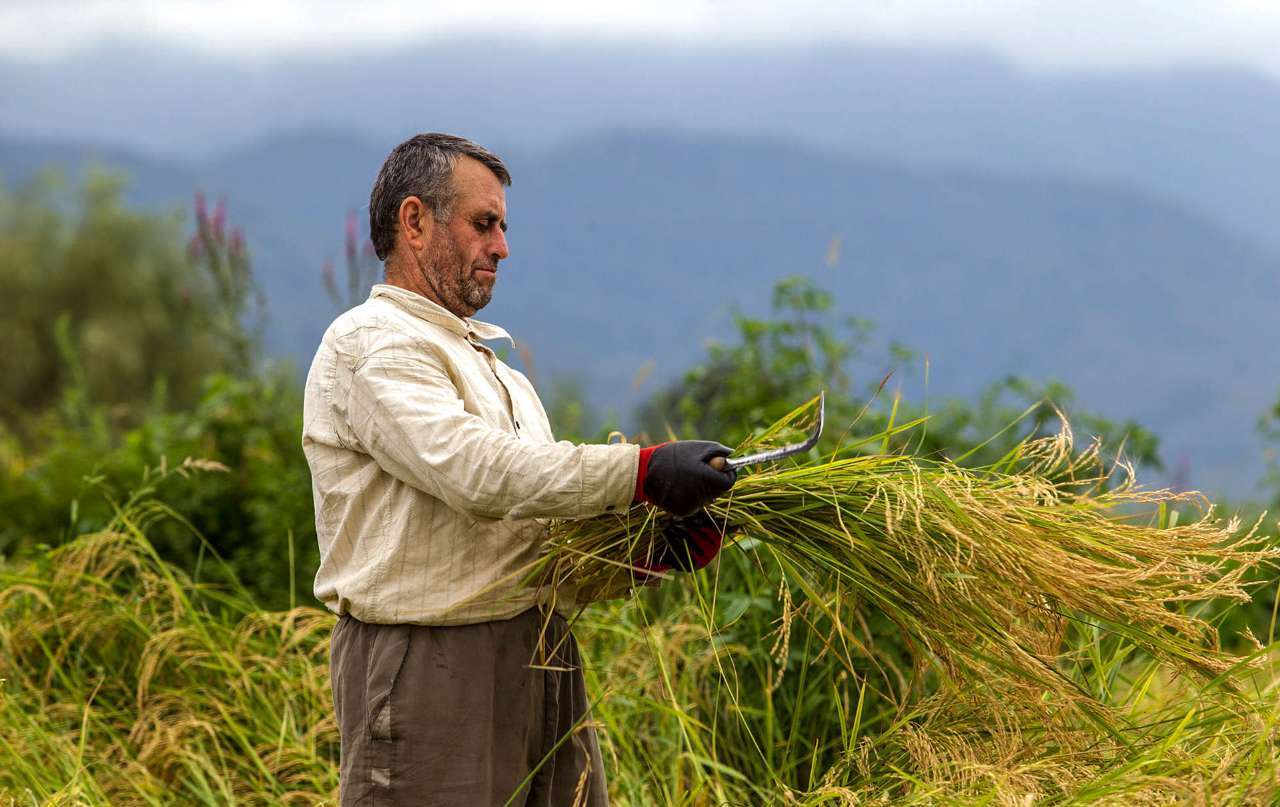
(257, 514)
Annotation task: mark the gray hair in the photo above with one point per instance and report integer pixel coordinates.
(421, 166)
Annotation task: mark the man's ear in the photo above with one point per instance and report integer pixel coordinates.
(416, 223)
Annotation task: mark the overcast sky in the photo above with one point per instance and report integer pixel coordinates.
(1037, 34)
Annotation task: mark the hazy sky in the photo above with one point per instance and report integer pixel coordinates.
(1053, 34)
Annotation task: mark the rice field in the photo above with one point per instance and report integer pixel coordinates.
(881, 631)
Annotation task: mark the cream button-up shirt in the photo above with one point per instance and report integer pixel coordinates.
(432, 465)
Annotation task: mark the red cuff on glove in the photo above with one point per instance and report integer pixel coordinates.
(643, 471)
(705, 541)
(699, 537)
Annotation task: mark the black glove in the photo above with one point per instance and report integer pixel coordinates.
(676, 476)
(688, 543)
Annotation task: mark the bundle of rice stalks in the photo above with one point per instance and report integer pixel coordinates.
(985, 570)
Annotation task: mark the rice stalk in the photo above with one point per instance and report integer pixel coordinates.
(986, 571)
(125, 682)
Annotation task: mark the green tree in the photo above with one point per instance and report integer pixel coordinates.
(136, 315)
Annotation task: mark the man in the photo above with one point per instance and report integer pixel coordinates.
(432, 464)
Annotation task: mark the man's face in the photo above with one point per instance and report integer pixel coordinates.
(460, 262)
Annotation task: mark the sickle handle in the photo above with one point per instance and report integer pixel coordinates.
(718, 463)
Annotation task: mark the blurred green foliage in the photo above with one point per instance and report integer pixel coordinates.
(140, 321)
(131, 349)
(361, 269)
(777, 363)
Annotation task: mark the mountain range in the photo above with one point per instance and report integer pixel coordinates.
(1205, 137)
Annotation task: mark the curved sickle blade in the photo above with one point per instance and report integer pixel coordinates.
(785, 451)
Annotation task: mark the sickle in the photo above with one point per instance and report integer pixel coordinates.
(724, 463)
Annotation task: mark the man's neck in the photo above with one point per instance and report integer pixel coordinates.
(394, 275)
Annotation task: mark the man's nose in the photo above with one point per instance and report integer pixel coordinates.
(499, 249)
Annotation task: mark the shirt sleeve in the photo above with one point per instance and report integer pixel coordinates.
(407, 414)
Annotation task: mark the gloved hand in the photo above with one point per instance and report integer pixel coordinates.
(686, 544)
(676, 477)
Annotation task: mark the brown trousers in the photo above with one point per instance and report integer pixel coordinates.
(457, 716)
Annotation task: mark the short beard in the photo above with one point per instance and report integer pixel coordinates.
(473, 293)
(452, 279)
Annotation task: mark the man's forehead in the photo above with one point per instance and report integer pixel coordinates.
(476, 185)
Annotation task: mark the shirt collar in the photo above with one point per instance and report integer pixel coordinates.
(432, 312)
